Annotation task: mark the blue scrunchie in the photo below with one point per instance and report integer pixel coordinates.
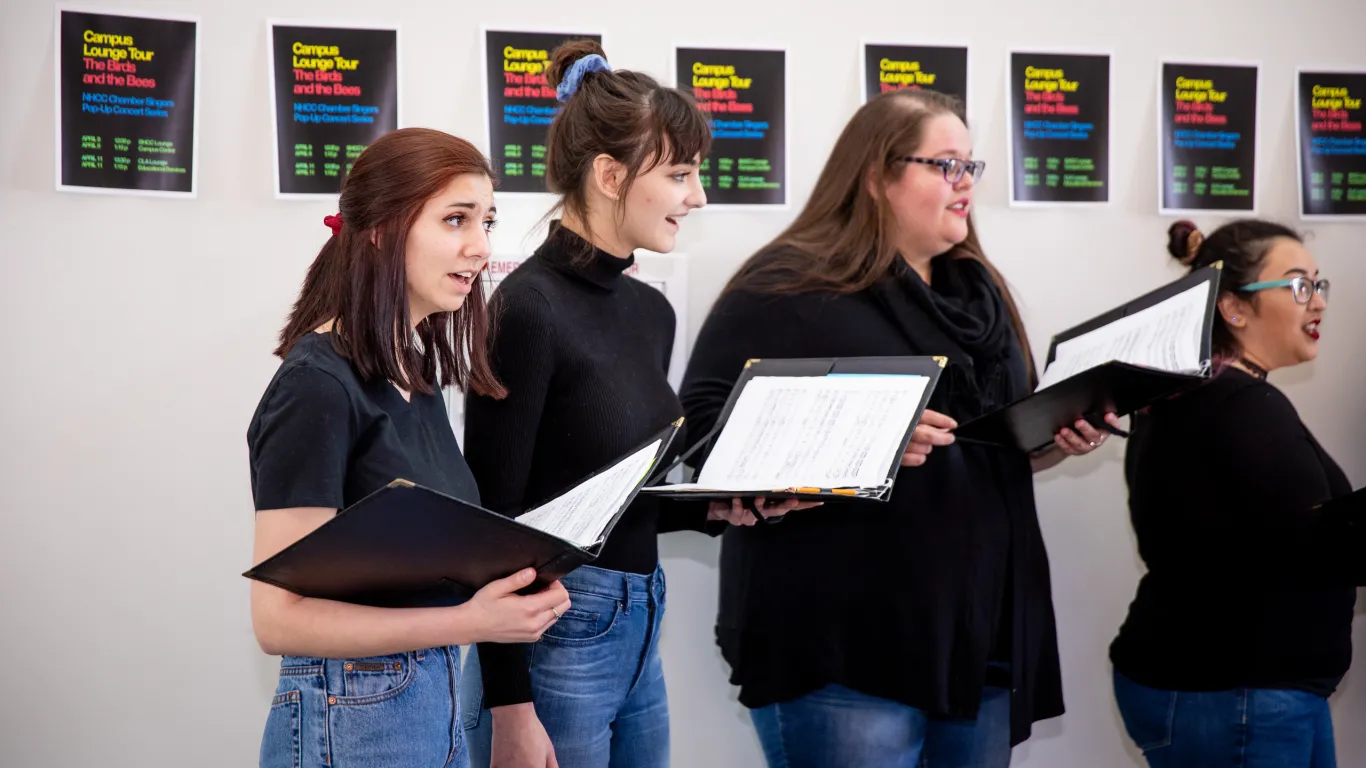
(569, 85)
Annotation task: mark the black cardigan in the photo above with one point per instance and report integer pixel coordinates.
(907, 600)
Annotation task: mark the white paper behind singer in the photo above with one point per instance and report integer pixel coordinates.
(840, 431)
(581, 514)
(1165, 336)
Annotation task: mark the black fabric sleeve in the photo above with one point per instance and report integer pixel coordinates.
(301, 442)
(688, 515)
(1270, 482)
(500, 444)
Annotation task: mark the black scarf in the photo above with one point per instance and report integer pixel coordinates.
(963, 316)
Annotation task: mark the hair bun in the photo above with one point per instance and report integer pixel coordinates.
(1183, 241)
(566, 54)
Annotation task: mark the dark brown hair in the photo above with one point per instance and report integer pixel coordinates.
(625, 115)
(841, 241)
(1242, 246)
(363, 288)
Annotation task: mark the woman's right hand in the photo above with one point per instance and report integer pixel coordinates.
(519, 739)
(934, 429)
(503, 616)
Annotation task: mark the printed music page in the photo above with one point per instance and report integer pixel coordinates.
(835, 431)
(1165, 336)
(581, 514)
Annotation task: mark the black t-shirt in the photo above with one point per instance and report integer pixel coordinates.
(1239, 592)
(321, 437)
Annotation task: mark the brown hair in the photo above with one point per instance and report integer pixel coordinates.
(841, 241)
(625, 115)
(363, 288)
(1242, 245)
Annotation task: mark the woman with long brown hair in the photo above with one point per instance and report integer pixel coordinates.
(391, 310)
(922, 629)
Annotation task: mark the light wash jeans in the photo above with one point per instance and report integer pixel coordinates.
(399, 711)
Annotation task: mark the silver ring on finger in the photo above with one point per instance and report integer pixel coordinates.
(556, 612)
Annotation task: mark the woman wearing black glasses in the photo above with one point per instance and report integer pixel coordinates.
(1236, 637)
(922, 629)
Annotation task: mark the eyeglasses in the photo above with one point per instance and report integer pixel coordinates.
(952, 167)
(1302, 287)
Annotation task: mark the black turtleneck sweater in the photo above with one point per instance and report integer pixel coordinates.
(584, 352)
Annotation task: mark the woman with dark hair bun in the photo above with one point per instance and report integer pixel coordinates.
(1239, 632)
(584, 351)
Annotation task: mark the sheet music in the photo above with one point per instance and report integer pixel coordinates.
(1166, 336)
(836, 431)
(581, 514)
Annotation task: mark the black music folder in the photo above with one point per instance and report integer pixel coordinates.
(409, 546)
(1122, 361)
(812, 428)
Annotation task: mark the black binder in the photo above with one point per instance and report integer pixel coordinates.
(929, 367)
(1030, 423)
(409, 546)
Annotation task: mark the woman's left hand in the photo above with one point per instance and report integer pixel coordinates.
(1085, 438)
(735, 513)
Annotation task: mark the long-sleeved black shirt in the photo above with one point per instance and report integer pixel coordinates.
(908, 600)
(1245, 587)
(584, 352)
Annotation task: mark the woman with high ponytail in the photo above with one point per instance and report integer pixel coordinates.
(1241, 627)
(584, 351)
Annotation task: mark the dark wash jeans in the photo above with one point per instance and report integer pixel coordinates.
(1238, 728)
(836, 727)
(596, 676)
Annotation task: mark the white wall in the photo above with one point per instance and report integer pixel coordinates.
(135, 338)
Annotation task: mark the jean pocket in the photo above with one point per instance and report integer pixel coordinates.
(281, 745)
(374, 679)
(1149, 714)
(589, 618)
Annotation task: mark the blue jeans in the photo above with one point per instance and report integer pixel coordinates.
(596, 676)
(1239, 728)
(836, 727)
(399, 711)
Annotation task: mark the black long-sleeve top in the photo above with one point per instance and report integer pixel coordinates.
(1245, 587)
(908, 600)
(584, 352)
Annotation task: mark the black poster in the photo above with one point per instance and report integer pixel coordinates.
(1332, 143)
(744, 93)
(1208, 115)
(1060, 128)
(916, 67)
(334, 90)
(521, 104)
(126, 103)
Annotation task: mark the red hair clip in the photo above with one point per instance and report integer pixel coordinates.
(334, 221)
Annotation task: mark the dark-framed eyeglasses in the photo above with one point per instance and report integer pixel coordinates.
(953, 168)
(1303, 288)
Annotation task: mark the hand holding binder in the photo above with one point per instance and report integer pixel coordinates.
(934, 430)
(369, 553)
(1130, 357)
